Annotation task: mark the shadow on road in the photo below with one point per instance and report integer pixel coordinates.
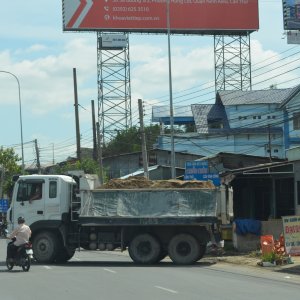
(290, 270)
(14, 270)
(124, 264)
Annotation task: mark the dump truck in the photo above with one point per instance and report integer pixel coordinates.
(151, 222)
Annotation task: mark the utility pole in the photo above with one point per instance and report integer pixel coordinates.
(99, 138)
(76, 115)
(173, 169)
(94, 132)
(38, 164)
(144, 148)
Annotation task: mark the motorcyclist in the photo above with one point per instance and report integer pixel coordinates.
(20, 236)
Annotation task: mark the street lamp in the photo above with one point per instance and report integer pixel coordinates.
(20, 112)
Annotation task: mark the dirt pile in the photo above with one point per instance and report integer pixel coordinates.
(143, 183)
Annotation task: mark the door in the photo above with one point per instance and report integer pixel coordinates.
(52, 201)
(30, 201)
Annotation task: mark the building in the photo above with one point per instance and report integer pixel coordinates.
(124, 164)
(260, 123)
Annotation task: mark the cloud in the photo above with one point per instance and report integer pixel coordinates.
(47, 82)
(36, 48)
(272, 68)
(150, 77)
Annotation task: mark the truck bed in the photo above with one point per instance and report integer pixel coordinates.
(149, 206)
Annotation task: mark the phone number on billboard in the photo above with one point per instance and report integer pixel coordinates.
(131, 8)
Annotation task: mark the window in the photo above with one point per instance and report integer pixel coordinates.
(259, 117)
(296, 121)
(217, 123)
(29, 191)
(52, 189)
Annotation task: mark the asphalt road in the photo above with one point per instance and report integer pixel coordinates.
(105, 275)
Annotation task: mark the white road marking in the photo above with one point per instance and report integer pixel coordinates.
(287, 277)
(109, 270)
(165, 289)
(47, 267)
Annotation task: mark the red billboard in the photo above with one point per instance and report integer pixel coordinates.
(186, 16)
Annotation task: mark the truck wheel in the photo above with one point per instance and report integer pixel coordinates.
(184, 249)
(144, 249)
(64, 254)
(45, 247)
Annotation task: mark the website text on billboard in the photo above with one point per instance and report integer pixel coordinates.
(151, 15)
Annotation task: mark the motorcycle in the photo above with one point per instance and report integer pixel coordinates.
(3, 230)
(22, 258)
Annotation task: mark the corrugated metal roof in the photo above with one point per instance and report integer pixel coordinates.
(205, 113)
(272, 96)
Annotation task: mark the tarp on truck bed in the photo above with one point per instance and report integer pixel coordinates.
(150, 203)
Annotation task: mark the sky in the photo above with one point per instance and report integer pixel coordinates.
(35, 49)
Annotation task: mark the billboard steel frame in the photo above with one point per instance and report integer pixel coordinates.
(114, 88)
(232, 62)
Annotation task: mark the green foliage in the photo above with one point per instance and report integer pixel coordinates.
(8, 168)
(271, 257)
(88, 165)
(128, 141)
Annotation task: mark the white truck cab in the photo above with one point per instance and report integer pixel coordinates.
(54, 201)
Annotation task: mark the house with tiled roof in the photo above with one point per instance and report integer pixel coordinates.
(261, 123)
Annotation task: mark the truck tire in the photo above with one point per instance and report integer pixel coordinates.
(64, 254)
(45, 247)
(184, 249)
(144, 249)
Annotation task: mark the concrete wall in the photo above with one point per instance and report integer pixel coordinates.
(241, 116)
(251, 144)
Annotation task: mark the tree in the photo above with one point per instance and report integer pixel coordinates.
(128, 141)
(8, 168)
(88, 165)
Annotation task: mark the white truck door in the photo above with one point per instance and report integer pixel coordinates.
(52, 202)
(30, 201)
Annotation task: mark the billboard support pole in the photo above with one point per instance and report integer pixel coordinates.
(173, 173)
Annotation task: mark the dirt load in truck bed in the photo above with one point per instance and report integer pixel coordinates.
(143, 183)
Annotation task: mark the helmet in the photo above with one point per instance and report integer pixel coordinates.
(21, 220)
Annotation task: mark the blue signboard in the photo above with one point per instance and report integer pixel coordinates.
(198, 170)
(196, 167)
(4, 205)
